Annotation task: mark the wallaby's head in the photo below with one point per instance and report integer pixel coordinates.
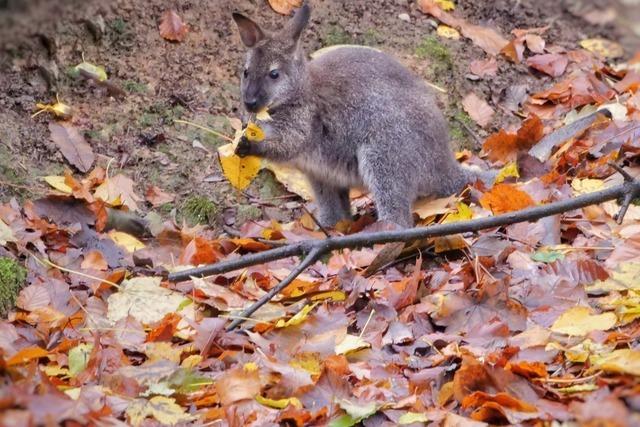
(275, 65)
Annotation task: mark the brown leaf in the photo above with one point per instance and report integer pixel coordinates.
(72, 145)
(94, 260)
(552, 64)
(32, 297)
(238, 384)
(171, 27)
(157, 197)
(484, 68)
(505, 198)
(486, 38)
(478, 109)
(284, 7)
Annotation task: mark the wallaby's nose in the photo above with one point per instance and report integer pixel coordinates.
(251, 104)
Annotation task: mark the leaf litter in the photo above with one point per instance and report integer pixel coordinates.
(505, 328)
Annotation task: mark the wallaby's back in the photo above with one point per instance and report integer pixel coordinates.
(368, 100)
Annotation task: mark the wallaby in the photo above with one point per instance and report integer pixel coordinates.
(352, 117)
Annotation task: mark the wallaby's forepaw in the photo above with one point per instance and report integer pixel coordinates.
(244, 147)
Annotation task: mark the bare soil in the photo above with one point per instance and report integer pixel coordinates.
(196, 80)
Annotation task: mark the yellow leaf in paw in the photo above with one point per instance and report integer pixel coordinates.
(263, 115)
(254, 133)
(240, 171)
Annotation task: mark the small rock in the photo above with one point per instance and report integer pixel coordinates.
(404, 17)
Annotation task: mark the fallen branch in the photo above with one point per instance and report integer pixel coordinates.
(312, 250)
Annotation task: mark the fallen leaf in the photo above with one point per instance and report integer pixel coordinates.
(413, 417)
(58, 182)
(603, 47)
(447, 32)
(622, 361)
(163, 409)
(478, 109)
(484, 68)
(503, 198)
(284, 7)
(144, 299)
(351, 343)
(240, 171)
(92, 71)
(117, 191)
(94, 260)
(79, 358)
(26, 355)
(238, 384)
(72, 145)
(127, 241)
(293, 180)
(578, 321)
(171, 27)
(279, 403)
(426, 208)
(298, 318)
(486, 38)
(157, 197)
(508, 171)
(6, 234)
(553, 64)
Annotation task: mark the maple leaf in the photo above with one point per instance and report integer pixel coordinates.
(505, 198)
(171, 26)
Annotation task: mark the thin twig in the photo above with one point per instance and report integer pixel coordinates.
(306, 262)
(470, 131)
(313, 217)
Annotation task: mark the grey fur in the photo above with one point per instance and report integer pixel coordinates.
(351, 117)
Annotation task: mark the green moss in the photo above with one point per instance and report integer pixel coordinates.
(133, 86)
(12, 279)
(336, 35)
(371, 37)
(118, 25)
(441, 61)
(248, 213)
(198, 210)
(459, 135)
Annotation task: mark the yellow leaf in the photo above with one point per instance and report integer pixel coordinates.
(579, 321)
(309, 362)
(163, 409)
(298, 318)
(191, 361)
(55, 371)
(446, 393)
(413, 417)
(264, 115)
(6, 234)
(250, 367)
(94, 71)
(509, 170)
(586, 185)
(58, 109)
(332, 295)
(125, 240)
(445, 5)
(462, 214)
(279, 403)
(254, 133)
(117, 191)
(603, 47)
(578, 388)
(623, 361)
(294, 180)
(239, 171)
(351, 343)
(58, 183)
(447, 32)
(626, 277)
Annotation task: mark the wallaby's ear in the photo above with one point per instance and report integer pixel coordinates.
(250, 32)
(299, 21)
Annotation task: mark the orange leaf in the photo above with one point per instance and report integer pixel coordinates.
(528, 369)
(284, 7)
(94, 260)
(171, 27)
(27, 354)
(504, 198)
(501, 146)
(165, 329)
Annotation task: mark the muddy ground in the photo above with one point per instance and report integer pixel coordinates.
(197, 80)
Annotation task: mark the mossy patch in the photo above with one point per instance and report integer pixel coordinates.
(248, 213)
(441, 60)
(198, 210)
(337, 35)
(12, 279)
(133, 86)
(459, 135)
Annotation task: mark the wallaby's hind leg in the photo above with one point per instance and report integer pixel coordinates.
(332, 201)
(392, 187)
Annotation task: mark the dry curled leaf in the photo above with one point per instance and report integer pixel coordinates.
(171, 27)
(72, 145)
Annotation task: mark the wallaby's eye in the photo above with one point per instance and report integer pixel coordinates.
(274, 74)
(245, 73)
